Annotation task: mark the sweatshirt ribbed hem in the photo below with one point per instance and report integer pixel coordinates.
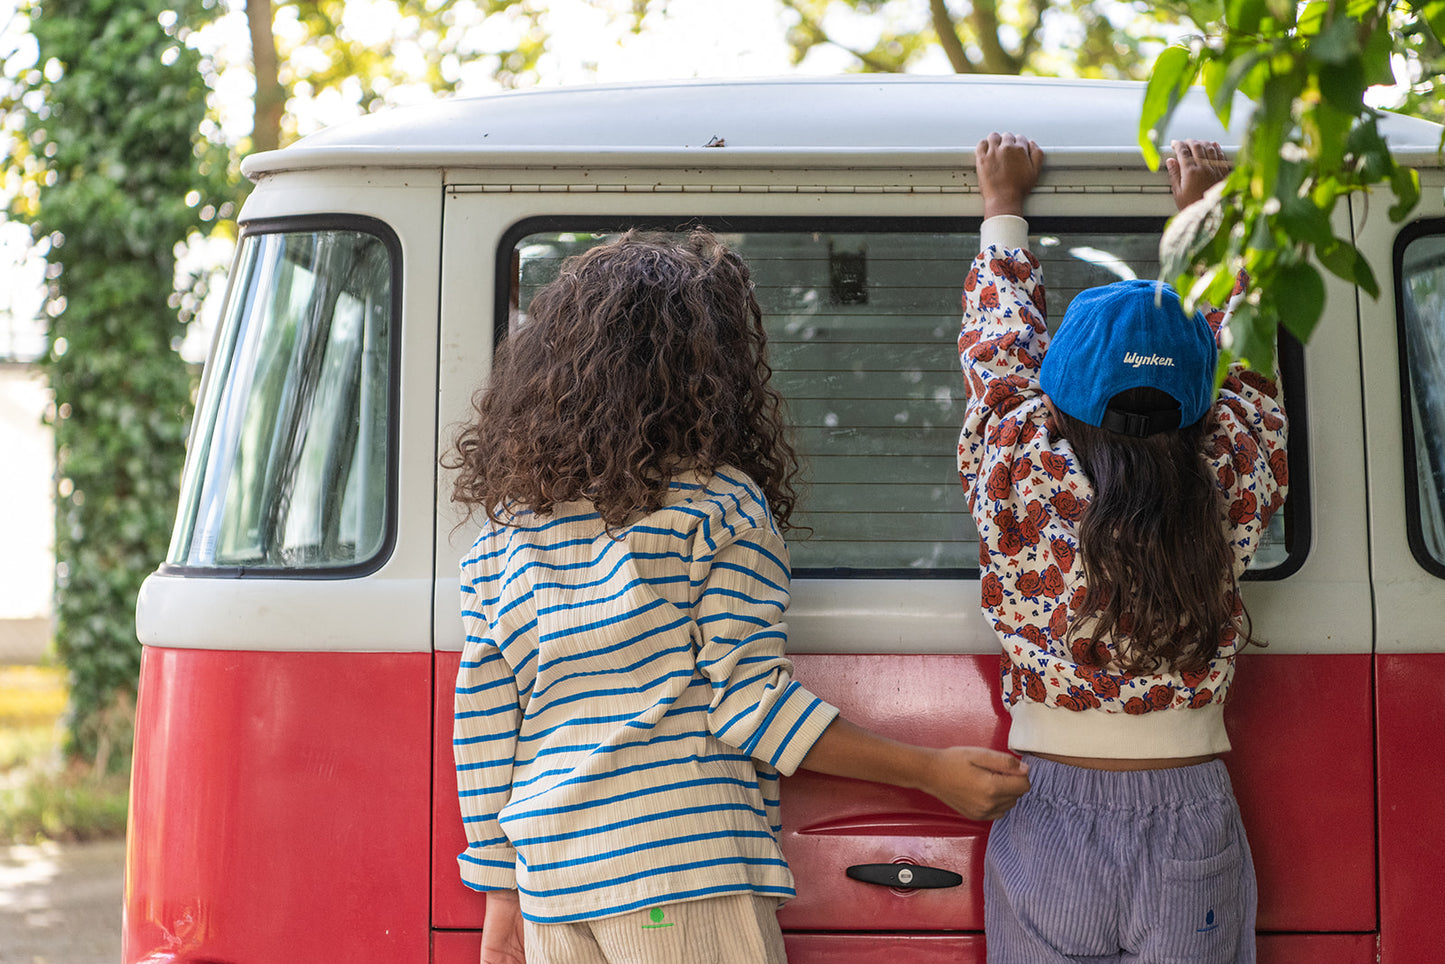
(1157, 735)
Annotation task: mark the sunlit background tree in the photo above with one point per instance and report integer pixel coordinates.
(124, 120)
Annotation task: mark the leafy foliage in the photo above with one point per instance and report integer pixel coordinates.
(310, 49)
(1311, 141)
(986, 36)
(119, 169)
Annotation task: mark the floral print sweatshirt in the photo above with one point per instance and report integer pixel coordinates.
(1027, 493)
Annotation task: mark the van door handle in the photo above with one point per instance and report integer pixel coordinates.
(904, 876)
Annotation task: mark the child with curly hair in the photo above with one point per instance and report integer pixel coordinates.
(624, 707)
(1118, 501)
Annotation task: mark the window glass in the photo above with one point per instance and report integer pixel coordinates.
(1422, 307)
(860, 327)
(290, 454)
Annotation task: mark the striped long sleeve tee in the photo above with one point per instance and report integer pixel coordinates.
(624, 707)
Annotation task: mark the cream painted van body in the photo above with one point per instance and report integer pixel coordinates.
(293, 797)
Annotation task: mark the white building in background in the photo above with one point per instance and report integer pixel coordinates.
(27, 515)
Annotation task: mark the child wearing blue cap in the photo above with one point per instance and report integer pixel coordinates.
(1118, 500)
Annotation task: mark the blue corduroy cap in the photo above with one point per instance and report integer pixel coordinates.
(1130, 334)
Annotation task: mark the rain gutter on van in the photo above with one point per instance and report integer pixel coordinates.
(269, 163)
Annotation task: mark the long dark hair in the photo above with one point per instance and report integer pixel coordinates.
(644, 358)
(1158, 570)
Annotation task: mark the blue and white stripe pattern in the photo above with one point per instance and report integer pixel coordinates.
(624, 706)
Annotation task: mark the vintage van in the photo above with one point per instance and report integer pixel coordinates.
(293, 796)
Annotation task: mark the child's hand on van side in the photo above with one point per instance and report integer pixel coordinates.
(1008, 168)
(1195, 167)
(502, 929)
(979, 783)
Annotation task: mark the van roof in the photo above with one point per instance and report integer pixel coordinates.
(853, 120)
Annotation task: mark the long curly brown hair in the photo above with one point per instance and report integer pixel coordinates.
(646, 357)
(1158, 568)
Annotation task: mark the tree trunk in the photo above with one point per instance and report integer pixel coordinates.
(270, 97)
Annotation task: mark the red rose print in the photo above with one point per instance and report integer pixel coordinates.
(1078, 599)
(1005, 433)
(988, 297)
(998, 391)
(1193, 677)
(1243, 508)
(1160, 696)
(1010, 543)
(1034, 686)
(1072, 700)
(999, 483)
(1226, 476)
(1279, 466)
(1023, 468)
(1059, 622)
(992, 589)
(1134, 706)
(971, 281)
(1056, 465)
(1245, 450)
(1200, 698)
(1103, 684)
(1089, 652)
(1053, 582)
(1029, 584)
(1063, 553)
(967, 339)
(1068, 507)
(1040, 301)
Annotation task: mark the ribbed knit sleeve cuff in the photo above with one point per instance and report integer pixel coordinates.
(489, 868)
(1004, 231)
(799, 719)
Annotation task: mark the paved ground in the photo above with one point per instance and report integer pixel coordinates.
(60, 903)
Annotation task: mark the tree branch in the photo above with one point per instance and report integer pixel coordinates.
(947, 32)
(996, 60)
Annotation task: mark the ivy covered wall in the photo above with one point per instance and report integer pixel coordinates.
(121, 167)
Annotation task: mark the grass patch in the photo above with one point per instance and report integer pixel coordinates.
(43, 796)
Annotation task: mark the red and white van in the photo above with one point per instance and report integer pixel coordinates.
(293, 795)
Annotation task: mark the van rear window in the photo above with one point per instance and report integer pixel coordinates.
(1421, 296)
(290, 457)
(861, 318)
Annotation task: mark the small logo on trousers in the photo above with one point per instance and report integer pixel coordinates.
(657, 914)
(1209, 923)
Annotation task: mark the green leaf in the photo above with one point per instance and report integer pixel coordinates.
(1405, 181)
(1173, 72)
(1337, 43)
(1344, 261)
(1229, 79)
(1252, 334)
(1326, 127)
(1304, 223)
(1243, 16)
(1299, 293)
(1434, 15)
(1378, 58)
(1190, 231)
(1343, 85)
